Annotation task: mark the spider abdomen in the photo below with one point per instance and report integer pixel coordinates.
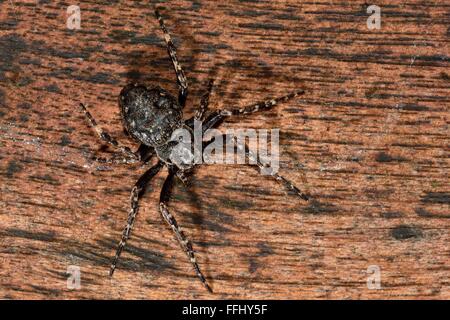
(149, 115)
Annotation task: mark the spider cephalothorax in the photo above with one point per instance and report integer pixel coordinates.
(152, 117)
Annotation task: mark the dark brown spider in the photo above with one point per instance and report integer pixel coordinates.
(151, 116)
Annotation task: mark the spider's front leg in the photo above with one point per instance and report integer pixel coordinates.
(144, 155)
(181, 78)
(106, 137)
(172, 222)
(136, 193)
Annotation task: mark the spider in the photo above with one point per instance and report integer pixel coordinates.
(150, 116)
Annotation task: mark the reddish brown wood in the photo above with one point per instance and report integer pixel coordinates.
(369, 141)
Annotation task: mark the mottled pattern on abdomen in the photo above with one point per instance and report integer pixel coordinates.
(149, 115)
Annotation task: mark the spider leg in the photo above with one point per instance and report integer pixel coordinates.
(217, 116)
(199, 114)
(181, 78)
(144, 153)
(115, 159)
(184, 177)
(263, 105)
(170, 219)
(249, 155)
(136, 193)
(287, 184)
(106, 137)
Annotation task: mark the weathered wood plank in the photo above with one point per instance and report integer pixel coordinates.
(369, 141)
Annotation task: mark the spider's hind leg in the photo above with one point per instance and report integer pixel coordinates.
(115, 159)
(136, 193)
(106, 137)
(172, 222)
(181, 78)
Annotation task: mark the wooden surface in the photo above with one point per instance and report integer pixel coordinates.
(369, 142)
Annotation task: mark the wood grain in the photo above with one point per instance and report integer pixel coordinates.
(369, 141)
